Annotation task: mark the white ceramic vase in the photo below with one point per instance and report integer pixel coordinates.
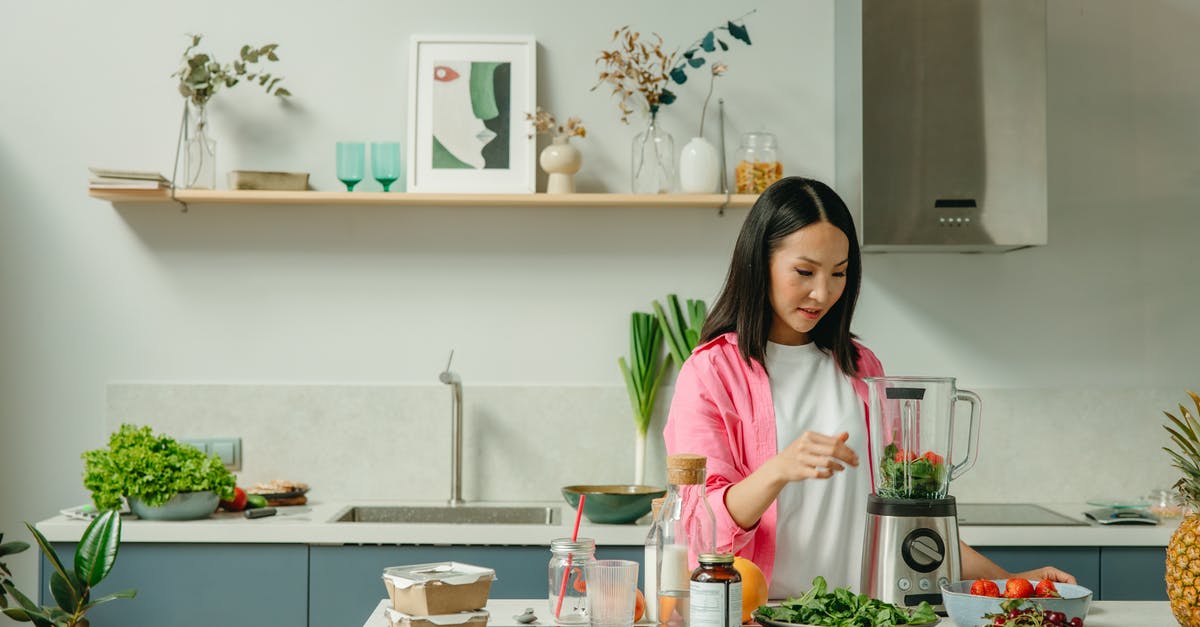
(699, 168)
(561, 161)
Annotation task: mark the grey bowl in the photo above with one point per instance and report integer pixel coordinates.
(967, 610)
(182, 506)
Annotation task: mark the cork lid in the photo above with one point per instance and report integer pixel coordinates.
(686, 469)
(656, 505)
(686, 461)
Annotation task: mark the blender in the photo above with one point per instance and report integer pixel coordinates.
(910, 548)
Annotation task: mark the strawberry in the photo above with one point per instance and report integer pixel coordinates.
(1018, 589)
(985, 588)
(934, 458)
(1045, 589)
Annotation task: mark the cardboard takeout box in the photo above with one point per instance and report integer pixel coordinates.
(439, 588)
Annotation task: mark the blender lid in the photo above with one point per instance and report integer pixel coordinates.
(905, 394)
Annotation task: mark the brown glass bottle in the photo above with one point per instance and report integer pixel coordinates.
(716, 593)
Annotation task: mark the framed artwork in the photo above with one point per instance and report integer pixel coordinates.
(467, 100)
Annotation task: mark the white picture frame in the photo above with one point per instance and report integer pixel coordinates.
(454, 82)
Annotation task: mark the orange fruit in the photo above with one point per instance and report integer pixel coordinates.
(754, 586)
(639, 606)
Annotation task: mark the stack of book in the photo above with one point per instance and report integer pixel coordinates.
(104, 178)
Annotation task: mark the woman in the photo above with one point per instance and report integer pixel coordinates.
(774, 397)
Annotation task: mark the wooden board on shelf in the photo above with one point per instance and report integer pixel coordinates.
(401, 199)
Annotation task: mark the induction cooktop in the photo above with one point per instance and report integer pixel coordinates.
(997, 514)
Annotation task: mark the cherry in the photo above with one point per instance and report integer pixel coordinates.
(1076, 622)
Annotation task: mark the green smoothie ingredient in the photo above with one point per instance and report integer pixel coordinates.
(843, 608)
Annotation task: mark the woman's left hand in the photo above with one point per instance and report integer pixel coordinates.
(1047, 572)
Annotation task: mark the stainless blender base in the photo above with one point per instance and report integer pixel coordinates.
(910, 550)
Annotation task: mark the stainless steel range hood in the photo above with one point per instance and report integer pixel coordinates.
(941, 123)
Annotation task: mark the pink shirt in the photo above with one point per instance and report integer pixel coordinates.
(723, 410)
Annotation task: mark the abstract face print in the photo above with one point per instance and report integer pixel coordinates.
(471, 110)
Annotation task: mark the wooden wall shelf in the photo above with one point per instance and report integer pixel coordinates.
(400, 199)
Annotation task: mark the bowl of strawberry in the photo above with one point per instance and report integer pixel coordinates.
(1016, 602)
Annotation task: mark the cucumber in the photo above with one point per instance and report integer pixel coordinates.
(255, 500)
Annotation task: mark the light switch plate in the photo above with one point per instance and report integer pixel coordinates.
(228, 449)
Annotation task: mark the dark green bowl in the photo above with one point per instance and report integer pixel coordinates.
(613, 503)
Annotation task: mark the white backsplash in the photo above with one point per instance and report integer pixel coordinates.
(525, 442)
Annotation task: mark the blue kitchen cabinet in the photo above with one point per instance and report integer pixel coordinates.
(345, 582)
(1081, 561)
(1133, 573)
(198, 585)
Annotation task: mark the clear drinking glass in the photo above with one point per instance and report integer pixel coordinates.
(612, 592)
(351, 161)
(385, 163)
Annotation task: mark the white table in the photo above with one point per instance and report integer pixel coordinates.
(1101, 614)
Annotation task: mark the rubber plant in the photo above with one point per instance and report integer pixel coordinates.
(643, 376)
(72, 589)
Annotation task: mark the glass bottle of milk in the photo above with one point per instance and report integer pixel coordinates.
(687, 523)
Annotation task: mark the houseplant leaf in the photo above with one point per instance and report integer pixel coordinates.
(64, 592)
(124, 594)
(28, 612)
(98, 548)
(9, 548)
(51, 555)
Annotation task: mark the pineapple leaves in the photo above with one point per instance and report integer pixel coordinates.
(1187, 458)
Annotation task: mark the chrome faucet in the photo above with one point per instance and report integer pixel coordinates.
(456, 429)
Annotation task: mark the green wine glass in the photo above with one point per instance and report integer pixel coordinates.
(385, 163)
(351, 161)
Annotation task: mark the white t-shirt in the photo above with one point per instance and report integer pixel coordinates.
(820, 521)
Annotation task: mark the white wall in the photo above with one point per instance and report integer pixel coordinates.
(91, 295)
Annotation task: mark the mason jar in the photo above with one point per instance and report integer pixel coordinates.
(758, 163)
(568, 579)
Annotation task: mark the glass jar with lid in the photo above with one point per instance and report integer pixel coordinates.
(758, 163)
(568, 579)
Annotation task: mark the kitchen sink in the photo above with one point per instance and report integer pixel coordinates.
(462, 515)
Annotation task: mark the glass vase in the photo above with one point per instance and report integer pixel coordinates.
(653, 164)
(199, 152)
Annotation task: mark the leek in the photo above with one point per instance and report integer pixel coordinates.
(643, 376)
(684, 332)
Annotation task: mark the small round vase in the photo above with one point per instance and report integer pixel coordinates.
(699, 168)
(561, 161)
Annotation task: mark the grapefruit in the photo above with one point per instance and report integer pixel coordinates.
(754, 586)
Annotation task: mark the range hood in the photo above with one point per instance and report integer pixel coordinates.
(941, 123)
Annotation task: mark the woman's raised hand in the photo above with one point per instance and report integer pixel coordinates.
(814, 456)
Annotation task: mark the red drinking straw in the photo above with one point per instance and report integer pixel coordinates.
(567, 575)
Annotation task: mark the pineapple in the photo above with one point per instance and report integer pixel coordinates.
(1183, 552)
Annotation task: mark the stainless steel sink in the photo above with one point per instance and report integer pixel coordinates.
(463, 515)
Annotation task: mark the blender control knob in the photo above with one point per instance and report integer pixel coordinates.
(923, 550)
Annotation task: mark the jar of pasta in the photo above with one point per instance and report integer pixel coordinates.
(757, 163)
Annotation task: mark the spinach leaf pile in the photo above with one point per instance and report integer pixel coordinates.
(843, 608)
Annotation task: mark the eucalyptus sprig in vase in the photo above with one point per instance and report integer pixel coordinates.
(201, 76)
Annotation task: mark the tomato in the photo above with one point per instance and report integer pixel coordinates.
(1018, 588)
(1046, 589)
(905, 456)
(985, 588)
(238, 503)
(934, 458)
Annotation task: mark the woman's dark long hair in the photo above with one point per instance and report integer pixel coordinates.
(744, 305)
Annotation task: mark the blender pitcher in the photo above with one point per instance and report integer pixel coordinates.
(912, 422)
(910, 544)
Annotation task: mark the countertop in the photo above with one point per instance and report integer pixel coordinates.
(1101, 614)
(312, 524)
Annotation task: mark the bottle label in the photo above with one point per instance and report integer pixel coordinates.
(715, 604)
